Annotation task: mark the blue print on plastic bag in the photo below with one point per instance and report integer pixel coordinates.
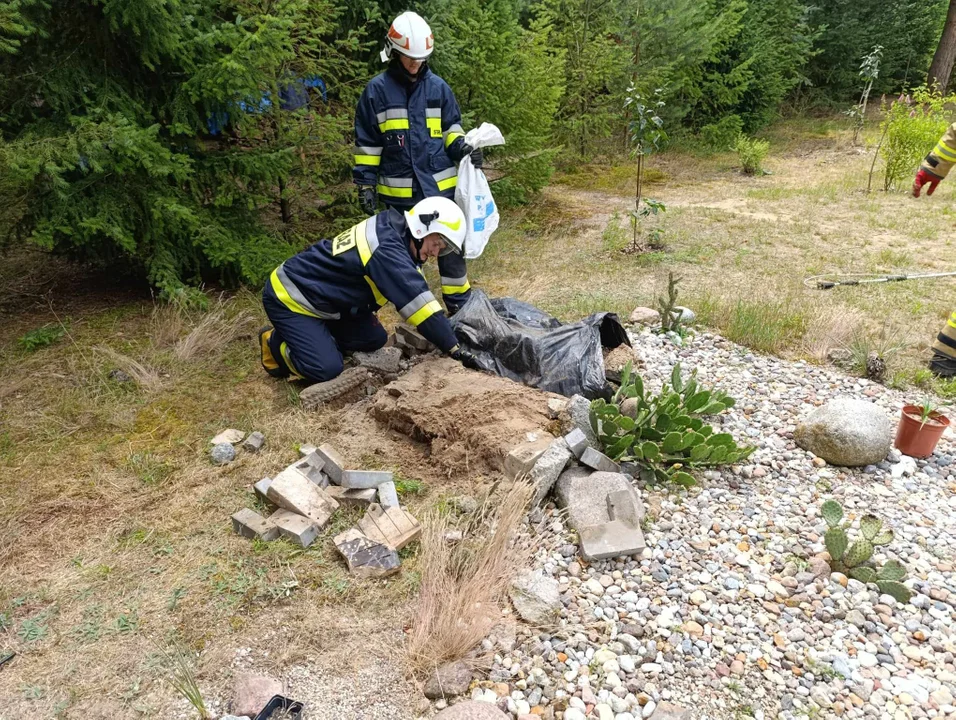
(478, 223)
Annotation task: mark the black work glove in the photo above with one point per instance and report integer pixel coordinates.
(466, 358)
(477, 157)
(368, 200)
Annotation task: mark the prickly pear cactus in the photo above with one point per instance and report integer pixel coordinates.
(837, 542)
(858, 553)
(870, 526)
(832, 512)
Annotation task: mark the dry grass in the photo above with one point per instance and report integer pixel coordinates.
(214, 331)
(145, 377)
(463, 584)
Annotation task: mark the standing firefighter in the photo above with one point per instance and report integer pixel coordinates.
(322, 302)
(409, 139)
(935, 167)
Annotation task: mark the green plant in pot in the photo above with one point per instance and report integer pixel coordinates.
(855, 559)
(921, 426)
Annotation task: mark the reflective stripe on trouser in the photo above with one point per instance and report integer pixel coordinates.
(455, 288)
(946, 340)
(312, 348)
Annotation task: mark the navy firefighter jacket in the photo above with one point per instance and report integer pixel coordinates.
(408, 137)
(359, 271)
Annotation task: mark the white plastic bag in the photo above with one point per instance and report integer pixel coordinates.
(473, 194)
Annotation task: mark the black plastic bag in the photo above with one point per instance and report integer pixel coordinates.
(516, 340)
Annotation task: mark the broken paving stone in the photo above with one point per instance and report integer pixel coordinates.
(252, 525)
(386, 360)
(547, 469)
(606, 511)
(523, 457)
(624, 506)
(300, 530)
(262, 489)
(413, 338)
(293, 490)
(610, 540)
(334, 463)
(355, 497)
(395, 527)
(306, 450)
(599, 461)
(223, 453)
(365, 557)
(228, 436)
(536, 597)
(360, 479)
(387, 495)
(254, 442)
(449, 680)
(251, 693)
(577, 442)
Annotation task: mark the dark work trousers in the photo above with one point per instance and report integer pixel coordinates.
(312, 348)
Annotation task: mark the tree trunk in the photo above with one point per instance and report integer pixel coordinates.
(942, 67)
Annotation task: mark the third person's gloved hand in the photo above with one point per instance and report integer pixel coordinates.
(924, 178)
(477, 157)
(466, 358)
(368, 200)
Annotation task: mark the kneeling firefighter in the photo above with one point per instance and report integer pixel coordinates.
(935, 167)
(322, 302)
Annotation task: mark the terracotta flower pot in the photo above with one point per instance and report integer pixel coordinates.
(918, 439)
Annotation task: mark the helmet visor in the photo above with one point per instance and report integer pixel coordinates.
(447, 248)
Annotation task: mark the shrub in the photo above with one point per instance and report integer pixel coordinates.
(664, 433)
(723, 134)
(41, 337)
(752, 153)
(912, 123)
(855, 560)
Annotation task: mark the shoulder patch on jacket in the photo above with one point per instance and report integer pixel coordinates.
(343, 241)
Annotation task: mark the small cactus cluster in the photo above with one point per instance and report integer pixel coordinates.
(854, 560)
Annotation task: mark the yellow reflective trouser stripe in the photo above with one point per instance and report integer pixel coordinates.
(422, 315)
(448, 183)
(452, 136)
(455, 289)
(945, 151)
(368, 159)
(284, 349)
(397, 124)
(394, 191)
(285, 298)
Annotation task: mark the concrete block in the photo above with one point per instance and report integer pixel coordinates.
(262, 489)
(585, 495)
(577, 442)
(228, 436)
(387, 495)
(624, 505)
(413, 338)
(547, 469)
(294, 527)
(346, 496)
(293, 490)
(306, 450)
(254, 442)
(365, 557)
(599, 461)
(612, 539)
(522, 458)
(359, 479)
(334, 463)
(394, 527)
(252, 525)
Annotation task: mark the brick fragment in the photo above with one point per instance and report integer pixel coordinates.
(252, 525)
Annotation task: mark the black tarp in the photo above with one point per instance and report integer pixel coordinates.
(516, 340)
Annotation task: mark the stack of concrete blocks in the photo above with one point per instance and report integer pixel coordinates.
(410, 342)
(309, 491)
(603, 505)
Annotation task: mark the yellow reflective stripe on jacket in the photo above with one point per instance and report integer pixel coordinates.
(945, 151)
(365, 250)
(451, 137)
(448, 183)
(368, 159)
(285, 298)
(396, 124)
(426, 312)
(434, 126)
(399, 192)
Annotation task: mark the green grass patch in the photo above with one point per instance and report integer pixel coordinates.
(769, 326)
(41, 337)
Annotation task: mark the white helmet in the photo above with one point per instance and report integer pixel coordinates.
(409, 35)
(438, 215)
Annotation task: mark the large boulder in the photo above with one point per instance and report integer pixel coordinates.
(847, 432)
(471, 710)
(536, 597)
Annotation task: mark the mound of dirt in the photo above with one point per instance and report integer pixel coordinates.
(469, 421)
